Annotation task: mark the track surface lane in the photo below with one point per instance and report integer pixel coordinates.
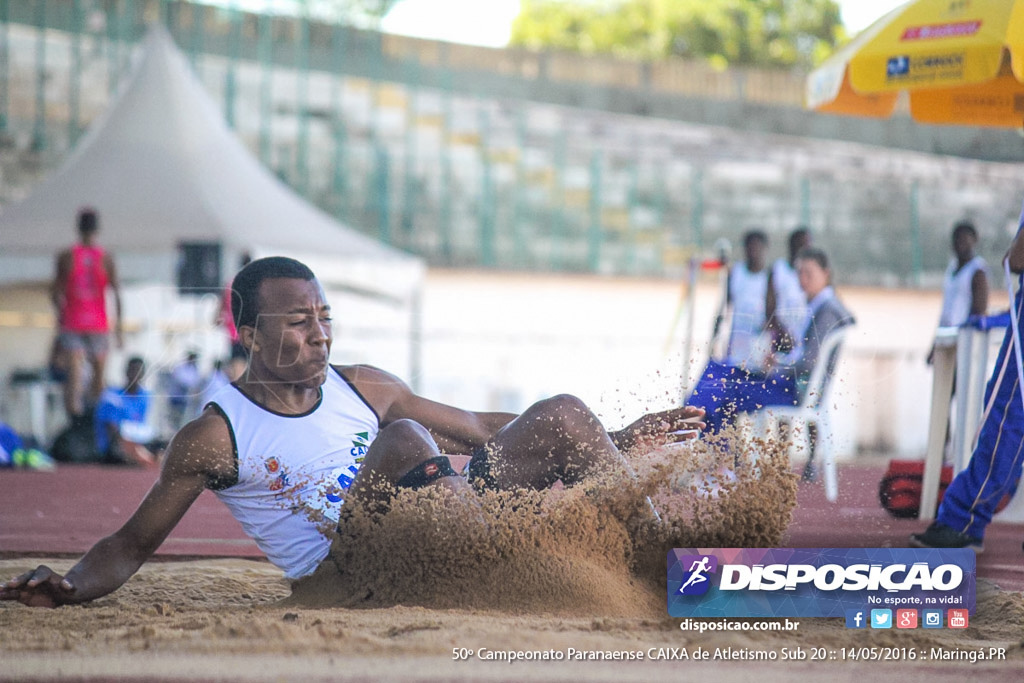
(66, 511)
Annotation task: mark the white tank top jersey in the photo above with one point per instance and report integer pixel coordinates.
(956, 291)
(747, 291)
(790, 300)
(293, 470)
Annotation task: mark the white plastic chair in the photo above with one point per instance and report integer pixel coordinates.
(813, 409)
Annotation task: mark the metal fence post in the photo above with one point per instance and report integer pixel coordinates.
(915, 234)
(518, 236)
(231, 77)
(124, 50)
(697, 207)
(339, 183)
(264, 48)
(409, 186)
(487, 195)
(302, 102)
(558, 217)
(805, 201)
(111, 52)
(381, 192)
(594, 233)
(75, 72)
(39, 128)
(197, 14)
(631, 203)
(5, 66)
(445, 227)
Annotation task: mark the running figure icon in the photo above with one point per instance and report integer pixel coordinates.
(697, 571)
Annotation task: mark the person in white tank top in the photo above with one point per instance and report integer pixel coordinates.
(745, 298)
(785, 306)
(294, 437)
(965, 285)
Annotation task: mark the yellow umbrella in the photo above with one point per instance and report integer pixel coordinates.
(961, 61)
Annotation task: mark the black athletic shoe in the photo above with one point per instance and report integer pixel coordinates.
(942, 536)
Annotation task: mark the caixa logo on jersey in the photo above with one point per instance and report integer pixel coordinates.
(816, 582)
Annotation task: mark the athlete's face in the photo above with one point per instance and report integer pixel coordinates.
(756, 252)
(963, 245)
(813, 278)
(292, 338)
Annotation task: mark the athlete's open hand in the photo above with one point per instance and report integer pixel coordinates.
(41, 587)
(657, 429)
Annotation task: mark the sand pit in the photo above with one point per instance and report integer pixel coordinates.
(223, 620)
(594, 549)
(579, 571)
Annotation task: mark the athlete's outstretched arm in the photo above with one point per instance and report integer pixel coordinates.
(657, 429)
(200, 451)
(461, 431)
(455, 430)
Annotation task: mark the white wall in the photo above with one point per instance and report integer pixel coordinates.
(501, 341)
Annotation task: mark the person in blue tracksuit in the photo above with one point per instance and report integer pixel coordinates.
(995, 466)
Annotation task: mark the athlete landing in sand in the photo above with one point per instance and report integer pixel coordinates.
(285, 444)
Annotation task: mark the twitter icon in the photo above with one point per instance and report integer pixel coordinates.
(881, 618)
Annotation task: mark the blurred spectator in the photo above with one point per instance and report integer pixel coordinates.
(785, 306)
(222, 375)
(745, 295)
(224, 317)
(966, 282)
(122, 433)
(183, 389)
(725, 390)
(83, 274)
(15, 453)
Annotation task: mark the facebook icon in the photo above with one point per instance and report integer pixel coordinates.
(855, 619)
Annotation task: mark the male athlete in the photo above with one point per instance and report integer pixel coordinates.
(294, 436)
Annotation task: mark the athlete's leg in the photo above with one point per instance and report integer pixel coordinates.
(98, 347)
(73, 384)
(557, 438)
(404, 454)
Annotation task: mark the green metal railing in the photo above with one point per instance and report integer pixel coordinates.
(408, 143)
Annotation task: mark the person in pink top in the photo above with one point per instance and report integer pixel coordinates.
(83, 274)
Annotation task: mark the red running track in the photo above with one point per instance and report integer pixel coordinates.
(64, 512)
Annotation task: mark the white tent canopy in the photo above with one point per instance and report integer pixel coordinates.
(162, 168)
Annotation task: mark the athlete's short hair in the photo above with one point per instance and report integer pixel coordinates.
(88, 221)
(245, 288)
(814, 254)
(965, 227)
(755, 235)
(797, 238)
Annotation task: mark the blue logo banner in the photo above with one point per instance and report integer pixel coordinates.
(817, 582)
